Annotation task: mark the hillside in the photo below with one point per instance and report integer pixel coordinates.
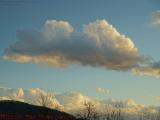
(15, 110)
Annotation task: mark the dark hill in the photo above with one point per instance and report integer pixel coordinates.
(15, 110)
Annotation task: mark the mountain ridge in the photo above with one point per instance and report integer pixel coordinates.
(16, 110)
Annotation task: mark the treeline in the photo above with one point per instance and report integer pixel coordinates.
(114, 113)
(110, 112)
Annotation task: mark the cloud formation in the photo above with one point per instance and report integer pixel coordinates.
(150, 70)
(99, 44)
(59, 44)
(103, 90)
(70, 101)
(156, 18)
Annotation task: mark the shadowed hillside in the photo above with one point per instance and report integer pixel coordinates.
(14, 110)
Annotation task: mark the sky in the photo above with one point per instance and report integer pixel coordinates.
(105, 49)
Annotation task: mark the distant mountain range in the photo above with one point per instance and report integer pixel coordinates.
(15, 110)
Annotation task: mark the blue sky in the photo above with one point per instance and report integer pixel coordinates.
(131, 18)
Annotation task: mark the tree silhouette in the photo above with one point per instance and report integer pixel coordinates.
(89, 112)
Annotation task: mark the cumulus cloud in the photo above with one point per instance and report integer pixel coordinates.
(156, 18)
(103, 90)
(59, 44)
(72, 101)
(99, 44)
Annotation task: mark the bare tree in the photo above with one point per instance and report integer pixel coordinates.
(113, 112)
(110, 113)
(89, 112)
(147, 115)
(158, 115)
(119, 107)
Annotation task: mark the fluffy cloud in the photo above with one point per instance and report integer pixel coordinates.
(72, 101)
(103, 90)
(58, 44)
(156, 18)
(30, 96)
(99, 44)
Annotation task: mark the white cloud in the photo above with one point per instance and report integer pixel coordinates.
(98, 45)
(72, 101)
(149, 70)
(103, 90)
(30, 96)
(156, 18)
(58, 44)
(54, 29)
(152, 68)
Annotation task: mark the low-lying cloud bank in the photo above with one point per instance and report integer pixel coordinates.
(59, 44)
(73, 101)
(69, 100)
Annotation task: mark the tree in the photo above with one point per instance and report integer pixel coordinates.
(113, 112)
(119, 107)
(110, 113)
(89, 112)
